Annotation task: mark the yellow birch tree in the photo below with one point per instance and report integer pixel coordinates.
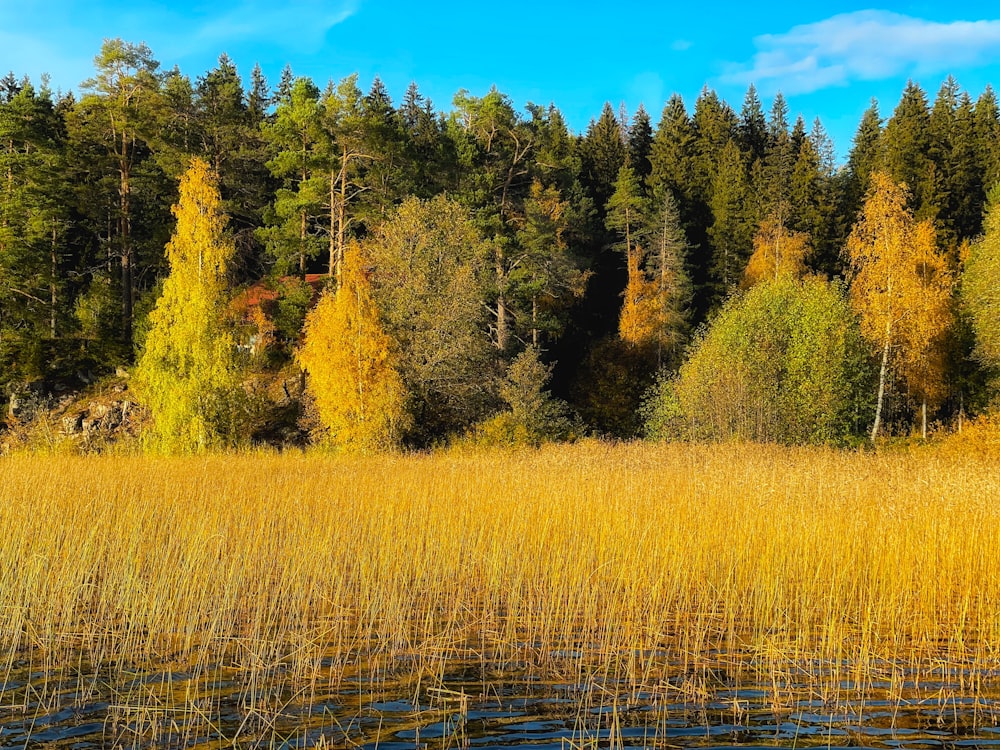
(186, 374)
(358, 391)
(901, 288)
(777, 252)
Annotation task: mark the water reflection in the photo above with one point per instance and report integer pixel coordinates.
(216, 707)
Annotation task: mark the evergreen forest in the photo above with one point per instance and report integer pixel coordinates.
(482, 273)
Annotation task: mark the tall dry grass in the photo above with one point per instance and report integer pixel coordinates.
(657, 567)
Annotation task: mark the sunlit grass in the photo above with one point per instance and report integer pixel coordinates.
(656, 567)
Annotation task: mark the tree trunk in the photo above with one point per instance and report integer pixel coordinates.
(302, 247)
(52, 285)
(333, 227)
(502, 323)
(341, 213)
(126, 266)
(881, 383)
(534, 321)
(923, 420)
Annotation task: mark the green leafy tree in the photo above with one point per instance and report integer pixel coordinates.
(431, 287)
(784, 363)
(34, 224)
(534, 416)
(981, 287)
(546, 278)
(123, 100)
(295, 135)
(186, 374)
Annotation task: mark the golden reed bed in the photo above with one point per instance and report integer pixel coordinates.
(645, 563)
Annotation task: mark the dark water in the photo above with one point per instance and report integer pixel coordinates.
(216, 707)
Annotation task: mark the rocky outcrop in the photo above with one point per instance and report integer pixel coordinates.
(97, 417)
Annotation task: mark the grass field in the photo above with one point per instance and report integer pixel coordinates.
(659, 566)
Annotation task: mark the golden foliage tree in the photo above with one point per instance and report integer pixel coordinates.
(186, 374)
(901, 287)
(358, 391)
(641, 321)
(777, 252)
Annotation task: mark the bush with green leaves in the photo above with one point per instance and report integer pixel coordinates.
(783, 363)
(534, 416)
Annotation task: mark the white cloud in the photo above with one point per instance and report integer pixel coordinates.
(865, 45)
(64, 39)
(294, 23)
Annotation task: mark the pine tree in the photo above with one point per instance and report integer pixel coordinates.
(987, 128)
(258, 96)
(353, 378)
(602, 153)
(966, 190)
(186, 374)
(34, 222)
(732, 230)
(752, 127)
(346, 147)
(864, 158)
(666, 263)
(715, 126)
(626, 211)
(779, 162)
(546, 278)
(673, 151)
(495, 151)
(295, 134)
(906, 152)
(122, 96)
(640, 144)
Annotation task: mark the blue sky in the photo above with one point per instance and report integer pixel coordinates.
(828, 60)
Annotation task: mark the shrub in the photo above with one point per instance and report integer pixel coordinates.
(783, 363)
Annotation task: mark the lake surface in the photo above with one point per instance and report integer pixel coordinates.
(470, 707)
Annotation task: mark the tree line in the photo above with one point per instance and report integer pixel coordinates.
(513, 279)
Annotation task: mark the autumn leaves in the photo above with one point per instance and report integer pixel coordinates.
(783, 361)
(901, 288)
